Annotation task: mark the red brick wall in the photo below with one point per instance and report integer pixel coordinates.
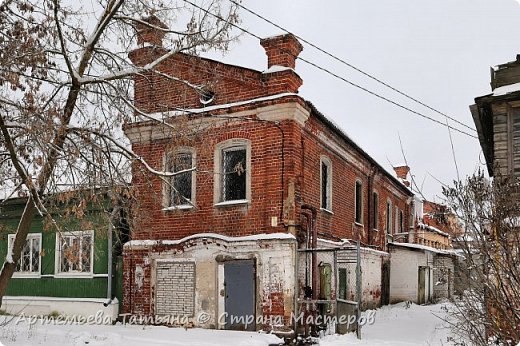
(341, 224)
(301, 163)
(158, 93)
(236, 220)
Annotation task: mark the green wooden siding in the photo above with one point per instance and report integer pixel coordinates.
(57, 286)
(54, 287)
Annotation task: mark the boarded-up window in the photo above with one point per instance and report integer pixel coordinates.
(175, 289)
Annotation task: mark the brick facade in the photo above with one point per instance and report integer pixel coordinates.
(288, 138)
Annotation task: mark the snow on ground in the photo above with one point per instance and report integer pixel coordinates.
(125, 335)
(396, 325)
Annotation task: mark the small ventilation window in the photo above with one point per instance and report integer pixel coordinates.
(206, 97)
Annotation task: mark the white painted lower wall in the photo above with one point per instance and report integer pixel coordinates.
(275, 273)
(371, 265)
(371, 275)
(404, 273)
(67, 307)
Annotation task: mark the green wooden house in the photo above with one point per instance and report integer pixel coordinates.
(71, 263)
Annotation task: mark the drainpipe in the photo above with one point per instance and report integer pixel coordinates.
(312, 233)
(314, 245)
(115, 212)
(369, 204)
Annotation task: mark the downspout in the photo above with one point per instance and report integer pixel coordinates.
(314, 245)
(369, 204)
(115, 212)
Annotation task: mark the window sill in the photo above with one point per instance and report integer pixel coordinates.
(179, 207)
(232, 203)
(359, 224)
(26, 275)
(328, 211)
(73, 276)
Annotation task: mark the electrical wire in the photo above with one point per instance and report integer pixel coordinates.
(344, 62)
(335, 75)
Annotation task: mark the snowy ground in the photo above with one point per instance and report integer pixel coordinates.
(398, 325)
(394, 325)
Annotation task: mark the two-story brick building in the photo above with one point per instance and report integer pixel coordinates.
(221, 236)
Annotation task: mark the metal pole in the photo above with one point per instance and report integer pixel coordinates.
(358, 289)
(336, 286)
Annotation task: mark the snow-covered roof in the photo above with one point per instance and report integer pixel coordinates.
(506, 89)
(341, 243)
(281, 33)
(334, 126)
(424, 247)
(160, 116)
(278, 68)
(432, 229)
(256, 237)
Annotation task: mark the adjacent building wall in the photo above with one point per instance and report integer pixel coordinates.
(404, 273)
(443, 276)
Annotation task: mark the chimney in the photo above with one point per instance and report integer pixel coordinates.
(152, 33)
(402, 173)
(280, 76)
(281, 50)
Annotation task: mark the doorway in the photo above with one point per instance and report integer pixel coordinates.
(240, 291)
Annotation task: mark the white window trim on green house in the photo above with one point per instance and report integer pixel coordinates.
(31, 237)
(59, 253)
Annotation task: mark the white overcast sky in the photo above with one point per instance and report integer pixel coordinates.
(437, 51)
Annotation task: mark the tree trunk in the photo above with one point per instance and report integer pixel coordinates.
(19, 241)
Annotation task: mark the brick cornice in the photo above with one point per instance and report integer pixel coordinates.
(157, 130)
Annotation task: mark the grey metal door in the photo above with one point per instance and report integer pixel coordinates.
(239, 280)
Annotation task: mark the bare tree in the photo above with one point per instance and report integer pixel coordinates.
(489, 309)
(66, 90)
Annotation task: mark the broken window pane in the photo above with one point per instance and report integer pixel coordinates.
(181, 184)
(234, 174)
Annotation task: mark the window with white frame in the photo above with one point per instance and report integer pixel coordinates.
(180, 189)
(326, 183)
(30, 259)
(74, 252)
(359, 202)
(233, 167)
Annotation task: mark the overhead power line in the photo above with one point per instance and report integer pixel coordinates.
(336, 75)
(344, 62)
